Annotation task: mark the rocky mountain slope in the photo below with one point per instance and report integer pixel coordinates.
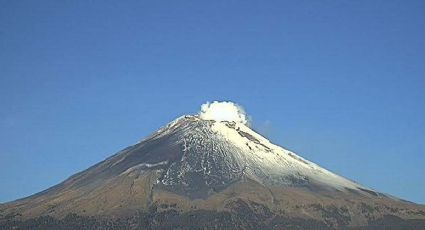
(204, 172)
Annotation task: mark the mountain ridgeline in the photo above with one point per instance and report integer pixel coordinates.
(198, 173)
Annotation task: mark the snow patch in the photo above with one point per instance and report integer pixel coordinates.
(144, 166)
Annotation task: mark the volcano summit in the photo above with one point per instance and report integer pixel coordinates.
(209, 171)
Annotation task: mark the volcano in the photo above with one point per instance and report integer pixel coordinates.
(209, 171)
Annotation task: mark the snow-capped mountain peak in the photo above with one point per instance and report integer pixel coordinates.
(212, 162)
(219, 148)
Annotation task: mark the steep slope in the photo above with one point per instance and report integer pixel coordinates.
(195, 165)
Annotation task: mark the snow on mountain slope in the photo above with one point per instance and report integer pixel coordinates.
(220, 152)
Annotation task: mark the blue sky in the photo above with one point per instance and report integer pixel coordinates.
(342, 83)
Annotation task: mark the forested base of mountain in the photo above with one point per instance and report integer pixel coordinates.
(199, 219)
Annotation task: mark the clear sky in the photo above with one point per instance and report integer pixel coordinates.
(342, 83)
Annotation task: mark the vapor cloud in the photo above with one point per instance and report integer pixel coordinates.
(223, 111)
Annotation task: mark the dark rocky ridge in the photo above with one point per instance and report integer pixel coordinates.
(243, 217)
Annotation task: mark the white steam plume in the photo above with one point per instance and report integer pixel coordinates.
(223, 111)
